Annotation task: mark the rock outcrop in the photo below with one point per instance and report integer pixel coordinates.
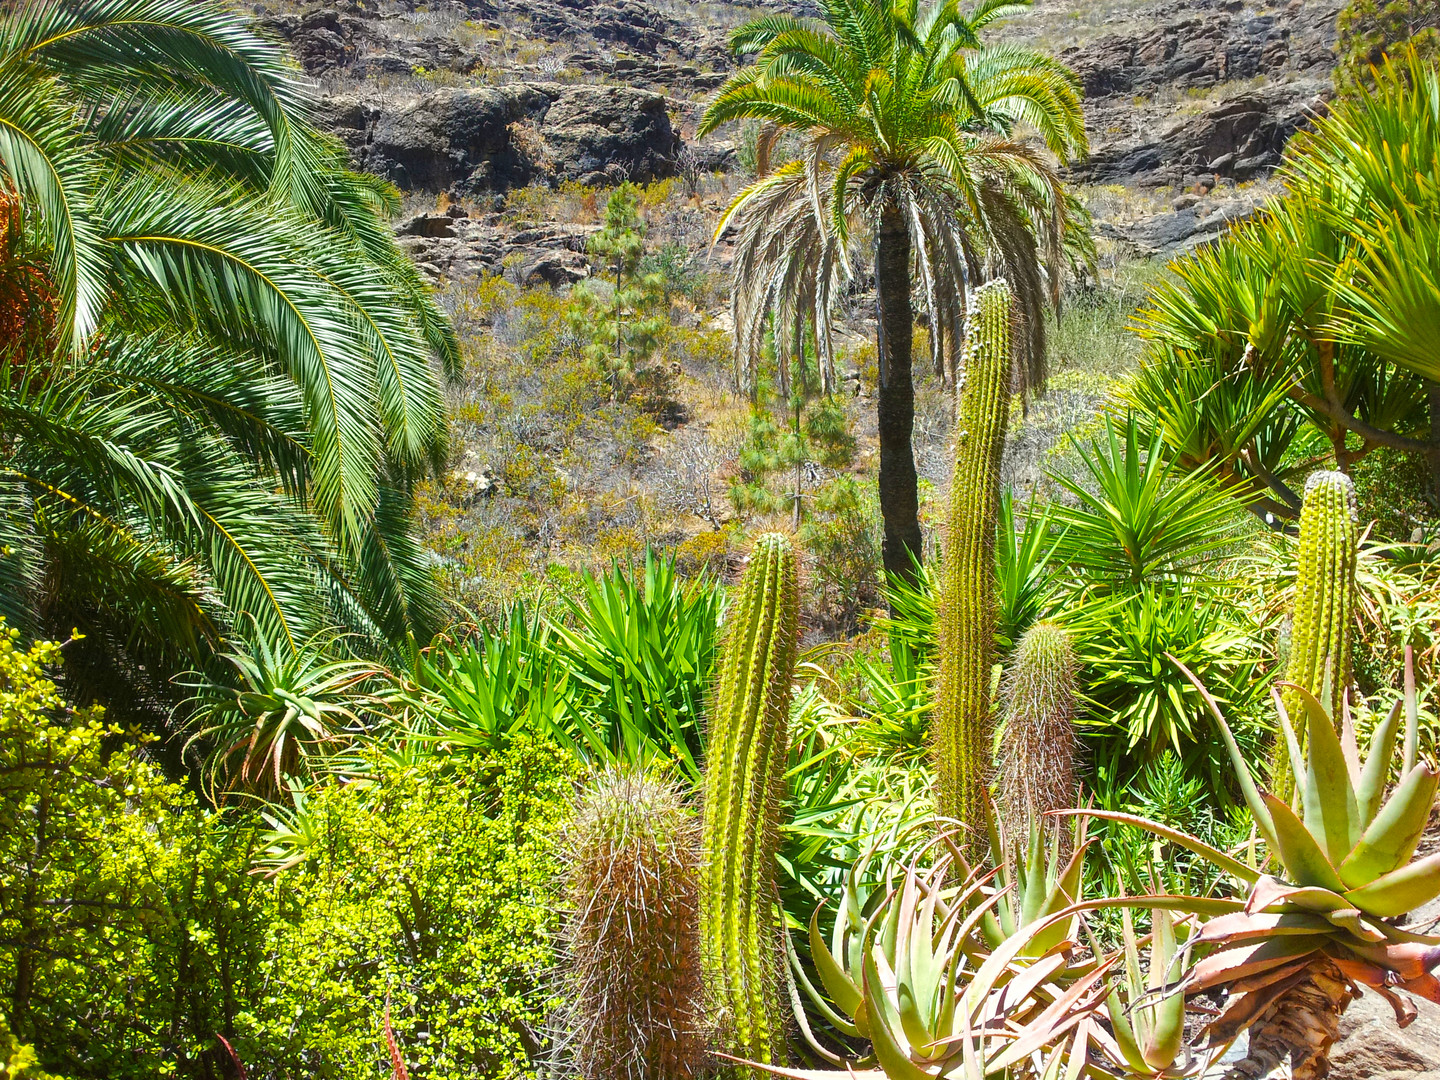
(469, 142)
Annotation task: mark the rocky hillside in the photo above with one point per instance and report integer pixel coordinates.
(1189, 101)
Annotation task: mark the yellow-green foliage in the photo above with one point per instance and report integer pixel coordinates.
(744, 785)
(1319, 657)
(966, 602)
(632, 937)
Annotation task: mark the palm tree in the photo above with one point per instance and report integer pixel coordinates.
(909, 138)
(217, 389)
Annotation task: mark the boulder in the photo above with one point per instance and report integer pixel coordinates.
(454, 140)
(1372, 1047)
(601, 134)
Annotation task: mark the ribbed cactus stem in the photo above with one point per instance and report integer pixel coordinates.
(1037, 749)
(744, 786)
(637, 998)
(1319, 658)
(965, 606)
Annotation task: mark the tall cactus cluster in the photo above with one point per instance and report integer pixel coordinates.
(1037, 752)
(965, 608)
(1319, 657)
(744, 786)
(633, 945)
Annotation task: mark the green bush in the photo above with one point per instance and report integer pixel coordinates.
(427, 885)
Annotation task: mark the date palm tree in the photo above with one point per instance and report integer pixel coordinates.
(912, 140)
(216, 368)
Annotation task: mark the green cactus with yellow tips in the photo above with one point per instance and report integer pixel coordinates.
(1037, 753)
(966, 604)
(744, 785)
(1319, 658)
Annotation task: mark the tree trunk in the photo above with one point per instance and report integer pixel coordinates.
(1302, 1025)
(1432, 456)
(899, 493)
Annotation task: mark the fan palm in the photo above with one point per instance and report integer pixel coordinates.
(231, 392)
(909, 134)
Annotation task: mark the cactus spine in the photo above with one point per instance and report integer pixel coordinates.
(744, 785)
(1319, 657)
(965, 606)
(634, 849)
(1037, 753)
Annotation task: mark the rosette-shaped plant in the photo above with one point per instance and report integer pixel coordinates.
(1291, 956)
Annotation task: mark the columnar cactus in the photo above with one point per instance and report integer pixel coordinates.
(965, 615)
(1037, 752)
(637, 999)
(744, 785)
(1319, 658)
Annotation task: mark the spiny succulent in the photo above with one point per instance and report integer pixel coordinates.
(744, 786)
(966, 603)
(632, 935)
(1292, 954)
(1319, 654)
(1037, 750)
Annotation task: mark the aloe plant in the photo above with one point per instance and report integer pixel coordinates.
(632, 936)
(966, 604)
(1289, 954)
(744, 786)
(1319, 661)
(1037, 752)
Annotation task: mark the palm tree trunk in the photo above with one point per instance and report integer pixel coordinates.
(1302, 1025)
(899, 493)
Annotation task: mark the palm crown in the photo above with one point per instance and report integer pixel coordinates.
(910, 134)
(237, 393)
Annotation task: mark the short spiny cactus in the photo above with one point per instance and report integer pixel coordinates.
(744, 785)
(1319, 655)
(631, 876)
(965, 615)
(1037, 751)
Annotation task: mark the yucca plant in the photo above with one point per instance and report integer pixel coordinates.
(744, 786)
(1289, 956)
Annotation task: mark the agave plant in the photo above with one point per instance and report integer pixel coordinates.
(283, 709)
(1291, 956)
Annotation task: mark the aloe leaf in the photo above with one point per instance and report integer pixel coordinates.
(1214, 855)
(1395, 833)
(1371, 788)
(1400, 891)
(1302, 856)
(893, 1059)
(1331, 816)
(843, 992)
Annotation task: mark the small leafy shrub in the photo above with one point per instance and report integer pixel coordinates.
(426, 884)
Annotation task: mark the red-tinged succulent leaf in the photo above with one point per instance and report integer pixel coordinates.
(1299, 851)
(1357, 970)
(1400, 891)
(1077, 1002)
(1352, 921)
(1404, 1008)
(1274, 895)
(1241, 1010)
(1244, 961)
(1269, 978)
(1409, 960)
(396, 1061)
(1244, 927)
(1427, 986)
